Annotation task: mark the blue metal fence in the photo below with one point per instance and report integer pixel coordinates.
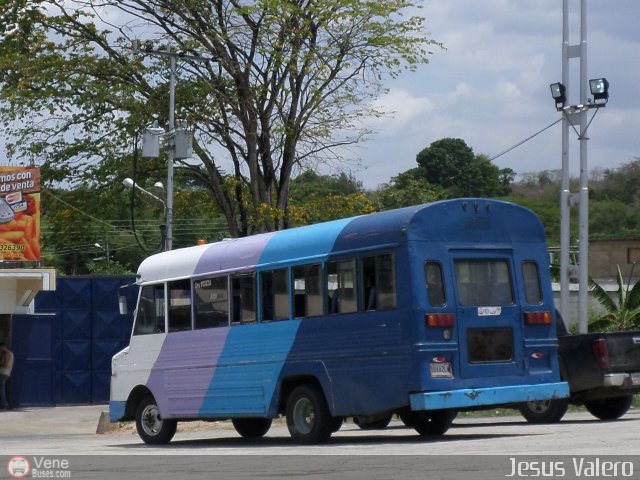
(63, 352)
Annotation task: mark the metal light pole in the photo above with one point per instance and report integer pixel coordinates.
(571, 115)
(583, 273)
(170, 154)
(564, 188)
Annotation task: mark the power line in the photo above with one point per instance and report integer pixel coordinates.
(525, 140)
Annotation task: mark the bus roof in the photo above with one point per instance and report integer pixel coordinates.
(456, 221)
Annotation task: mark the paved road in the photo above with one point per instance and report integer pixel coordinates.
(69, 432)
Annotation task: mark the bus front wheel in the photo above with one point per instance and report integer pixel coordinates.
(152, 428)
(308, 417)
(251, 427)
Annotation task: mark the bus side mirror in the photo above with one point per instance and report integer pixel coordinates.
(122, 305)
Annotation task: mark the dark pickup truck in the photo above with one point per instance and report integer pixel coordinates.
(603, 372)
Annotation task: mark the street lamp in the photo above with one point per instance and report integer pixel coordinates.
(559, 94)
(129, 183)
(600, 90)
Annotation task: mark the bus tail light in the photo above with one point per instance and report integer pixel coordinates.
(439, 319)
(601, 351)
(537, 318)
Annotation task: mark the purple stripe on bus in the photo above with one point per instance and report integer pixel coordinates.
(233, 253)
(184, 369)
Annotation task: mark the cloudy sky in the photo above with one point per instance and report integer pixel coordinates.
(490, 86)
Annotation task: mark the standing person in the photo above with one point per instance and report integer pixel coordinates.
(6, 365)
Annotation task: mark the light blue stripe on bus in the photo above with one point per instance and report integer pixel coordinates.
(305, 242)
(247, 371)
(249, 367)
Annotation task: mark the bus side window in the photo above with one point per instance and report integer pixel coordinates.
(435, 284)
(307, 291)
(378, 283)
(211, 302)
(243, 300)
(275, 295)
(341, 286)
(150, 312)
(179, 305)
(531, 283)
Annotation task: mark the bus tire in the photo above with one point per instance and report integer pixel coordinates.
(432, 422)
(609, 408)
(251, 427)
(151, 427)
(379, 424)
(336, 424)
(308, 418)
(544, 411)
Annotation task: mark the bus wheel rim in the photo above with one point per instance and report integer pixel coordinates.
(304, 415)
(151, 421)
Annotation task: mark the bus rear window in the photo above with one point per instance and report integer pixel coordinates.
(435, 284)
(483, 282)
(531, 283)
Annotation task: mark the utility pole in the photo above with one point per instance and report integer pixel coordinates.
(171, 134)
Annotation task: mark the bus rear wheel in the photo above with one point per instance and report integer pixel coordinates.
(251, 427)
(308, 417)
(544, 411)
(151, 427)
(431, 422)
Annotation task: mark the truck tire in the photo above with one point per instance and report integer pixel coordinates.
(152, 428)
(544, 411)
(251, 427)
(609, 408)
(308, 417)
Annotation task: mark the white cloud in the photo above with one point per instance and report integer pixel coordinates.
(490, 87)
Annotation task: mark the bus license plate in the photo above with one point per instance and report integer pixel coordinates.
(440, 370)
(635, 379)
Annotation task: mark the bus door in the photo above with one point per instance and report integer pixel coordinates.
(488, 316)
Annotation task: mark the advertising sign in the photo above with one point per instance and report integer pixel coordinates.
(19, 213)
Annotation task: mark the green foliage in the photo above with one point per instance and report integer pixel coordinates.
(318, 198)
(406, 189)
(290, 84)
(609, 218)
(547, 211)
(451, 164)
(623, 313)
(621, 184)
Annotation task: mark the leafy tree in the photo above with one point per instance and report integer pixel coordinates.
(621, 184)
(450, 163)
(613, 218)
(406, 189)
(317, 198)
(288, 84)
(620, 314)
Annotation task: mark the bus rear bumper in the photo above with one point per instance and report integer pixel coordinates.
(478, 397)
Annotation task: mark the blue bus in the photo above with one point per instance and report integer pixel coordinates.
(419, 311)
